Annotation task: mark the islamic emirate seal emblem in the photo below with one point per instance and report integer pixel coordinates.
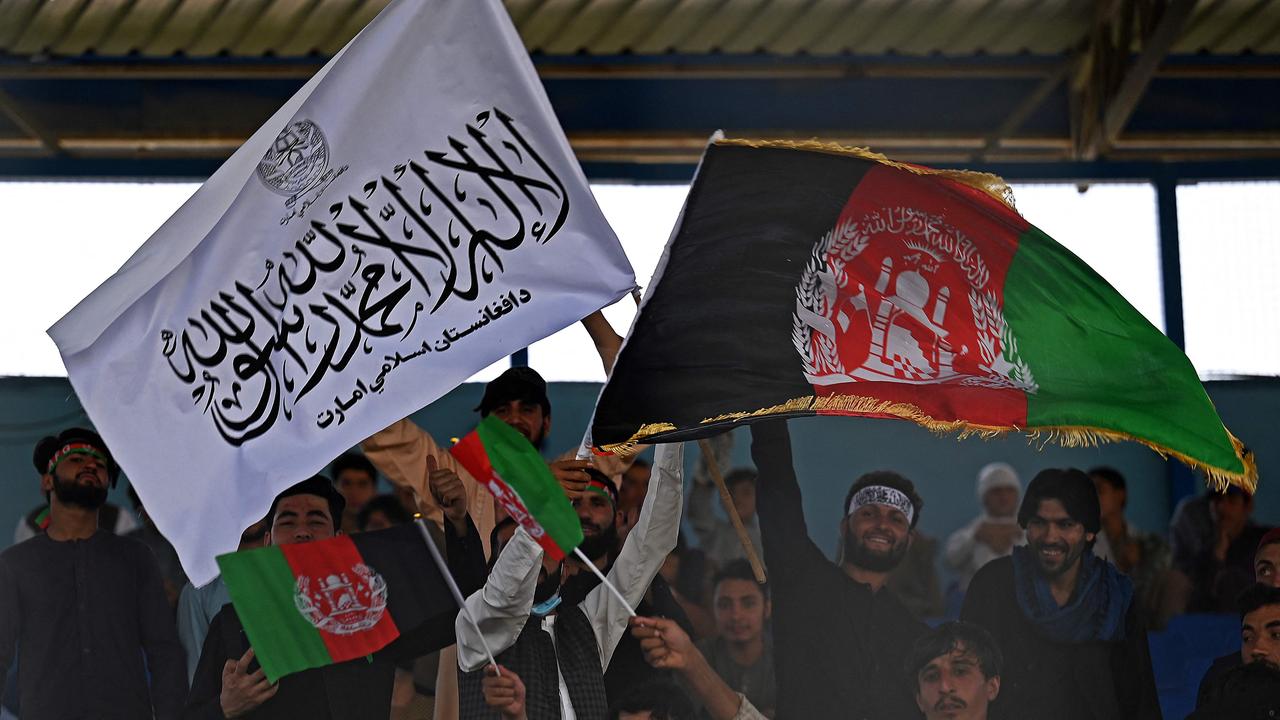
(898, 295)
(344, 603)
(296, 160)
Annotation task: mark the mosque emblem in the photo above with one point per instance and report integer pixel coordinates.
(343, 603)
(900, 296)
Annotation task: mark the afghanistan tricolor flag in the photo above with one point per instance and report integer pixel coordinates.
(817, 280)
(312, 604)
(507, 463)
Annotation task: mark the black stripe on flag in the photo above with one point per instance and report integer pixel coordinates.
(714, 335)
(416, 592)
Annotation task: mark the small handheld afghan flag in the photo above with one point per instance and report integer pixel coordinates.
(312, 604)
(811, 279)
(507, 463)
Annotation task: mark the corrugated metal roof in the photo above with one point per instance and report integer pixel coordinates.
(300, 28)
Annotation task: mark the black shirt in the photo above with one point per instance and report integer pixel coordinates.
(1052, 680)
(351, 690)
(354, 689)
(88, 620)
(839, 648)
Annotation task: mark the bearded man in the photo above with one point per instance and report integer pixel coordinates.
(840, 637)
(556, 638)
(1065, 619)
(85, 609)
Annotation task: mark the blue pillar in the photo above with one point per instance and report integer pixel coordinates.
(1182, 481)
(1170, 258)
(520, 358)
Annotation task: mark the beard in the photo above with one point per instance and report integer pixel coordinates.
(1071, 554)
(71, 492)
(576, 588)
(547, 586)
(860, 556)
(600, 544)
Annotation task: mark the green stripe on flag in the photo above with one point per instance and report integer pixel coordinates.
(1100, 364)
(520, 466)
(261, 585)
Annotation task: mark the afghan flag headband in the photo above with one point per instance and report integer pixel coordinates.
(76, 448)
(604, 489)
(886, 496)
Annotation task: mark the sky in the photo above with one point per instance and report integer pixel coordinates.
(65, 238)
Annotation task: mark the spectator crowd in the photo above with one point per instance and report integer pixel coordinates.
(1054, 595)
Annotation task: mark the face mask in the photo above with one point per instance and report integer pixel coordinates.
(546, 607)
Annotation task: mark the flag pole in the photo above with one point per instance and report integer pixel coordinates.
(605, 580)
(757, 568)
(453, 587)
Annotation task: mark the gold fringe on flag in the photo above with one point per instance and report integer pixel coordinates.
(1070, 436)
(993, 185)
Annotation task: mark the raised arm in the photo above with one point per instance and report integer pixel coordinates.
(667, 646)
(788, 551)
(643, 552)
(502, 606)
(407, 454)
(607, 342)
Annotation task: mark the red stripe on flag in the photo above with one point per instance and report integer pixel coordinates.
(470, 453)
(348, 599)
(918, 290)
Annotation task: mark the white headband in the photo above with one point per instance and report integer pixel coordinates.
(886, 496)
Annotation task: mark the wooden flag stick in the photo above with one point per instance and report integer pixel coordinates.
(756, 566)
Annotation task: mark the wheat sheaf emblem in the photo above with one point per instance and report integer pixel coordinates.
(814, 333)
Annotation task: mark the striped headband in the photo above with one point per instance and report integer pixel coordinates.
(76, 448)
(600, 488)
(886, 496)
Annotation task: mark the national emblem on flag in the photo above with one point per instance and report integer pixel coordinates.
(508, 465)
(816, 280)
(312, 604)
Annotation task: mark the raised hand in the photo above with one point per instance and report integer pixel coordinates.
(449, 492)
(664, 643)
(572, 476)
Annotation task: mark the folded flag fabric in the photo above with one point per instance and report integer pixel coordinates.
(807, 279)
(312, 604)
(508, 464)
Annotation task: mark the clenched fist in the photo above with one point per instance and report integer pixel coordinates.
(450, 494)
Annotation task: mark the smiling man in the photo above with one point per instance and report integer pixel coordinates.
(742, 651)
(84, 610)
(840, 636)
(1065, 619)
(228, 682)
(956, 672)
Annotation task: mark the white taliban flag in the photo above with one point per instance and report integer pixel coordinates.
(412, 215)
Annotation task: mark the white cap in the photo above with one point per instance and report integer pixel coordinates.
(996, 475)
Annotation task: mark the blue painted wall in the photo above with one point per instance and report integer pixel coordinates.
(830, 452)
